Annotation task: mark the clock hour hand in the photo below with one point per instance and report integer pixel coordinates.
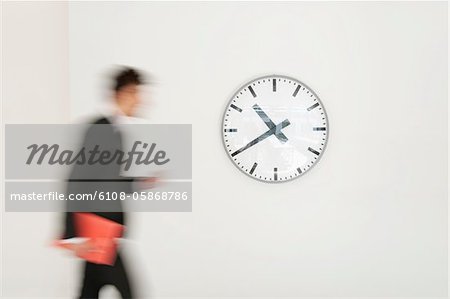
(269, 123)
(263, 136)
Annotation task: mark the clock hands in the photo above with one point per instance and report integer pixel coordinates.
(269, 123)
(263, 136)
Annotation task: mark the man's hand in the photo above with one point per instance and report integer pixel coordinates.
(150, 182)
(83, 248)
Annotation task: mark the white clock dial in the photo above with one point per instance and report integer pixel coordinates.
(275, 128)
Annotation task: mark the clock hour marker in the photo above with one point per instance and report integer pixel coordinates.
(296, 91)
(313, 106)
(275, 174)
(313, 151)
(274, 84)
(253, 168)
(299, 170)
(252, 91)
(236, 107)
(230, 130)
(319, 129)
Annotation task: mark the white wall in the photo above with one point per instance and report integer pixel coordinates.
(35, 89)
(369, 220)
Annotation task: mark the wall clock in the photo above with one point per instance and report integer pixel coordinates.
(275, 128)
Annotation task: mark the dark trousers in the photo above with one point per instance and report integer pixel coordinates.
(96, 276)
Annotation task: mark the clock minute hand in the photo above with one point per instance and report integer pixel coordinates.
(263, 136)
(269, 123)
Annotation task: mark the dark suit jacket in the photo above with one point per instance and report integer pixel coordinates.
(87, 179)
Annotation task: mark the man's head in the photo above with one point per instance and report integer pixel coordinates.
(126, 83)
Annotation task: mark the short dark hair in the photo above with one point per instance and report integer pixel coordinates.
(126, 76)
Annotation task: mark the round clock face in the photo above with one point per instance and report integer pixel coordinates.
(275, 128)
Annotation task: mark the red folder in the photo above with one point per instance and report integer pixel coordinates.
(102, 233)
